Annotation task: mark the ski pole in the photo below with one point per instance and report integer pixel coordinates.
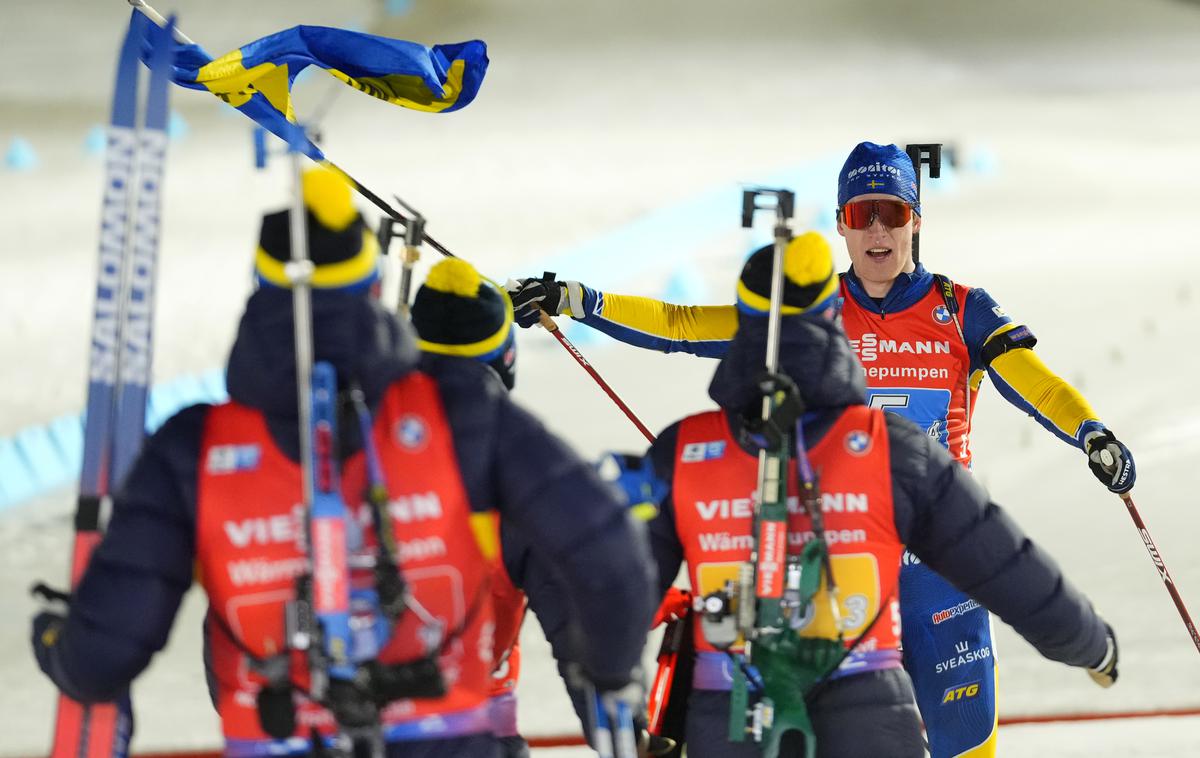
(549, 325)
(1162, 568)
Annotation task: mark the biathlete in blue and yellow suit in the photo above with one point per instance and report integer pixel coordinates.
(925, 344)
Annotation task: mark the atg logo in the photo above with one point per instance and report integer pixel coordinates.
(960, 692)
(412, 433)
(941, 314)
(858, 442)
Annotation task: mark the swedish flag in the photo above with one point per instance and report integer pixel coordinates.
(257, 78)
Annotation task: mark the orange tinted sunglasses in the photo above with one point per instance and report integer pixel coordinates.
(860, 214)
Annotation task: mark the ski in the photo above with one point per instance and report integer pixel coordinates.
(119, 360)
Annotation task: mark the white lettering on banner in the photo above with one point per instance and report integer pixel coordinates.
(720, 541)
(262, 531)
(843, 502)
(259, 571)
(835, 502)
(740, 507)
(965, 656)
(832, 537)
(770, 559)
(422, 549)
(919, 373)
(114, 217)
(869, 347)
(330, 588)
(743, 507)
(416, 507)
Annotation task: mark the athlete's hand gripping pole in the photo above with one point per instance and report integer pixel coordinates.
(1162, 569)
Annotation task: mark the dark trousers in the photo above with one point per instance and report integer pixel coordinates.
(474, 746)
(869, 715)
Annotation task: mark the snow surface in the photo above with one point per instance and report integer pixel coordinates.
(1073, 207)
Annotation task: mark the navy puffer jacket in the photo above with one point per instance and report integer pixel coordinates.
(127, 600)
(942, 514)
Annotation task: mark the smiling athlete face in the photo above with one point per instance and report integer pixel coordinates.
(880, 253)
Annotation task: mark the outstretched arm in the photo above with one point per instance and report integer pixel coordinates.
(703, 330)
(1005, 351)
(1025, 381)
(947, 520)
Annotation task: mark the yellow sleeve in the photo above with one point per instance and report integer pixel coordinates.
(644, 322)
(1025, 381)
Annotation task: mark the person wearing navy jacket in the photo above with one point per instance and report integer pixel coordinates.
(886, 485)
(472, 451)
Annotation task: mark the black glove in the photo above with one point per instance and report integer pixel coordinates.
(1104, 673)
(1110, 461)
(530, 295)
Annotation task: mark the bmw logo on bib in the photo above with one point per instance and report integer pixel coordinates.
(858, 442)
(412, 433)
(941, 314)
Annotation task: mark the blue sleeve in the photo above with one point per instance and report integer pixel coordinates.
(122, 610)
(982, 316)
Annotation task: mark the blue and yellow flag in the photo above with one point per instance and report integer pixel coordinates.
(257, 78)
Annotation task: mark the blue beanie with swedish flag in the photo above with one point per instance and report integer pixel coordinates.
(883, 169)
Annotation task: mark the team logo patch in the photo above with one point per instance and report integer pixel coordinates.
(946, 614)
(229, 459)
(695, 452)
(858, 442)
(941, 314)
(960, 692)
(412, 432)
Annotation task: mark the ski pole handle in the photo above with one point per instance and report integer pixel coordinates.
(1162, 569)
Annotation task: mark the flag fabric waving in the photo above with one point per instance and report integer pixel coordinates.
(257, 77)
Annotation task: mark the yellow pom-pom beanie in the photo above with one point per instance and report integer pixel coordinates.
(344, 250)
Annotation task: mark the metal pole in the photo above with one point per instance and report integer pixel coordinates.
(300, 271)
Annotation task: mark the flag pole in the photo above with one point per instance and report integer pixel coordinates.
(400, 218)
(358, 186)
